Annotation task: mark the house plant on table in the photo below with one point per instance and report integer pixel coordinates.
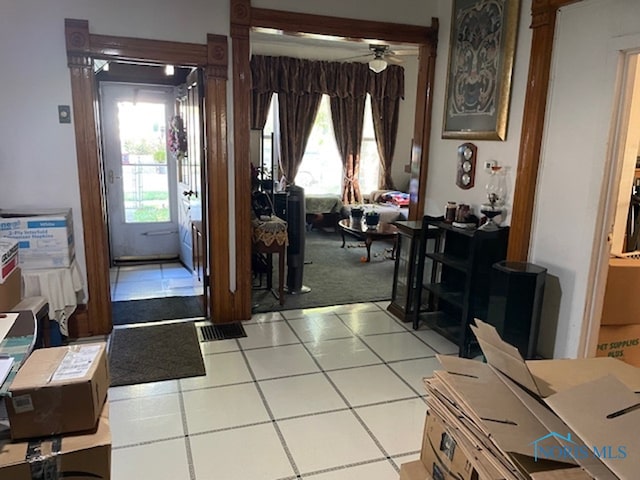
(372, 218)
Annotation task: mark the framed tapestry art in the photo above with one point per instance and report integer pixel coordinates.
(482, 47)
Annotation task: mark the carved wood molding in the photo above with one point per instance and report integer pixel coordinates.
(125, 48)
(342, 27)
(217, 56)
(543, 13)
(81, 47)
(240, 12)
(420, 149)
(242, 172)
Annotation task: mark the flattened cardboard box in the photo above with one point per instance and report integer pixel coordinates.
(78, 456)
(621, 304)
(620, 341)
(58, 390)
(594, 398)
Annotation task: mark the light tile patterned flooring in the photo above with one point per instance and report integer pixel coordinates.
(326, 394)
(136, 282)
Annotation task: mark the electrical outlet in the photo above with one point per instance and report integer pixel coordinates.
(489, 165)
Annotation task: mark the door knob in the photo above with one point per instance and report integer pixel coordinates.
(189, 193)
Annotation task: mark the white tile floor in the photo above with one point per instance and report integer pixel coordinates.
(137, 282)
(325, 394)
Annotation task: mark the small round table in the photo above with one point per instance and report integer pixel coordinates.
(361, 231)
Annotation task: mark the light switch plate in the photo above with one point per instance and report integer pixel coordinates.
(64, 114)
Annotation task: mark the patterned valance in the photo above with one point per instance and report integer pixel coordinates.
(336, 79)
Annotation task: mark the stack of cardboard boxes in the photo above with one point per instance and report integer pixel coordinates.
(620, 322)
(540, 420)
(46, 246)
(58, 415)
(45, 237)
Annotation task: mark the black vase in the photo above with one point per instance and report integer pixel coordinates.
(372, 219)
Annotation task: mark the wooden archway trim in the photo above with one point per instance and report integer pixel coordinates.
(82, 47)
(243, 18)
(543, 24)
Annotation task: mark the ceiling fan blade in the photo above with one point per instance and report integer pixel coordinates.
(404, 52)
(393, 59)
(357, 57)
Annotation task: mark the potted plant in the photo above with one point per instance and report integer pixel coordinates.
(356, 213)
(372, 218)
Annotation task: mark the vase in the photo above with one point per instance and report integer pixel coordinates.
(372, 219)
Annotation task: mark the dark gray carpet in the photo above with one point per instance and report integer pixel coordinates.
(335, 275)
(154, 309)
(153, 353)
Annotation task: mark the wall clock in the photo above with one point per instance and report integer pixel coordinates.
(466, 172)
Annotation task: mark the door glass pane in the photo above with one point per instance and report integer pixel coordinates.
(145, 180)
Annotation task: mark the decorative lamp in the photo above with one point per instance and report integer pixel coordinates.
(377, 65)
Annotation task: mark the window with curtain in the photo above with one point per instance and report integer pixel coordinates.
(321, 168)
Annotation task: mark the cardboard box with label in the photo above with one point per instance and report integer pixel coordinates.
(621, 342)
(78, 456)
(585, 430)
(8, 257)
(45, 237)
(58, 390)
(11, 291)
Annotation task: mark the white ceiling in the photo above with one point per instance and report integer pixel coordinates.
(319, 47)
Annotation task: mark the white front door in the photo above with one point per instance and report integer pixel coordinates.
(139, 178)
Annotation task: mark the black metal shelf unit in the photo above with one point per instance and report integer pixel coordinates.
(457, 289)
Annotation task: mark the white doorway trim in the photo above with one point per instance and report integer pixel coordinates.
(624, 137)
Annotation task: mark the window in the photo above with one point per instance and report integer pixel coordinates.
(321, 167)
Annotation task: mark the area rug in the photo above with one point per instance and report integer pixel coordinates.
(154, 309)
(152, 353)
(335, 275)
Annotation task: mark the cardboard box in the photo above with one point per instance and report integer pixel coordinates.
(414, 471)
(621, 302)
(79, 456)
(11, 291)
(441, 455)
(620, 341)
(45, 237)
(589, 418)
(8, 257)
(58, 390)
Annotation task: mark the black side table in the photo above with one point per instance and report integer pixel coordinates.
(409, 268)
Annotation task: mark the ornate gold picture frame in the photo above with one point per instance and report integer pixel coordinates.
(482, 48)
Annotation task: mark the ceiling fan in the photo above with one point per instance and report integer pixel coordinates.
(382, 56)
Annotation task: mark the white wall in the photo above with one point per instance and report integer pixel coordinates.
(574, 153)
(441, 184)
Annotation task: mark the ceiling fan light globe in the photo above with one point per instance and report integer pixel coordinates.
(377, 65)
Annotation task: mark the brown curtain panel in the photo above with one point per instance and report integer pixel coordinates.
(300, 84)
(260, 102)
(347, 116)
(297, 114)
(385, 125)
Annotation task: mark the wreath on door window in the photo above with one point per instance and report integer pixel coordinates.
(177, 137)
